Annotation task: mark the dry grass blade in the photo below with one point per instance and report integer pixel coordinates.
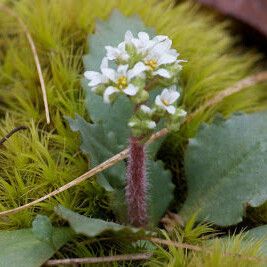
(127, 257)
(12, 13)
(103, 166)
(239, 86)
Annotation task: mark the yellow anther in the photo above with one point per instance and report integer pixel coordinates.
(122, 82)
(165, 102)
(152, 64)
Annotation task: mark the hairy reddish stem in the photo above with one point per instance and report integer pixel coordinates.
(136, 189)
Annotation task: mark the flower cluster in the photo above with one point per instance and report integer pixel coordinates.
(141, 65)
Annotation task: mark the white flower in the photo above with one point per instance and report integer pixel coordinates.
(151, 125)
(167, 98)
(142, 43)
(160, 55)
(122, 80)
(117, 53)
(146, 109)
(131, 123)
(97, 78)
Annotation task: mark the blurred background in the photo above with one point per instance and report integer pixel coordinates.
(250, 19)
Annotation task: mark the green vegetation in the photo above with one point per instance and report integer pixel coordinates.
(44, 157)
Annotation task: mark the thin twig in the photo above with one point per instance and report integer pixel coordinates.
(5, 138)
(239, 86)
(127, 257)
(103, 166)
(35, 55)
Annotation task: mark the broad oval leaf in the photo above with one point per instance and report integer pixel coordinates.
(226, 168)
(23, 248)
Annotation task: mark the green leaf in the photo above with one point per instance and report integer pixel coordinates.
(257, 233)
(24, 249)
(160, 190)
(100, 145)
(92, 227)
(42, 229)
(226, 166)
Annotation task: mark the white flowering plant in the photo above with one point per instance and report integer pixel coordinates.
(141, 65)
(137, 68)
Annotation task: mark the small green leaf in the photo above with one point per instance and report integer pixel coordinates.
(42, 228)
(94, 227)
(226, 166)
(21, 248)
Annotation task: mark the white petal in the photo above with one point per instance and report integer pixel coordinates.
(122, 70)
(104, 63)
(145, 109)
(131, 123)
(170, 109)
(160, 38)
(93, 89)
(90, 75)
(128, 36)
(166, 44)
(121, 46)
(173, 52)
(165, 94)
(137, 70)
(108, 92)
(158, 102)
(130, 90)
(162, 72)
(112, 52)
(110, 73)
(166, 59)
(151, 125)
(162, 47)
(136, 42)
(94, 77)
(143, 36)
(173, 96)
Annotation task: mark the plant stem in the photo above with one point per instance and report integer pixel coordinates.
(136, 189)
